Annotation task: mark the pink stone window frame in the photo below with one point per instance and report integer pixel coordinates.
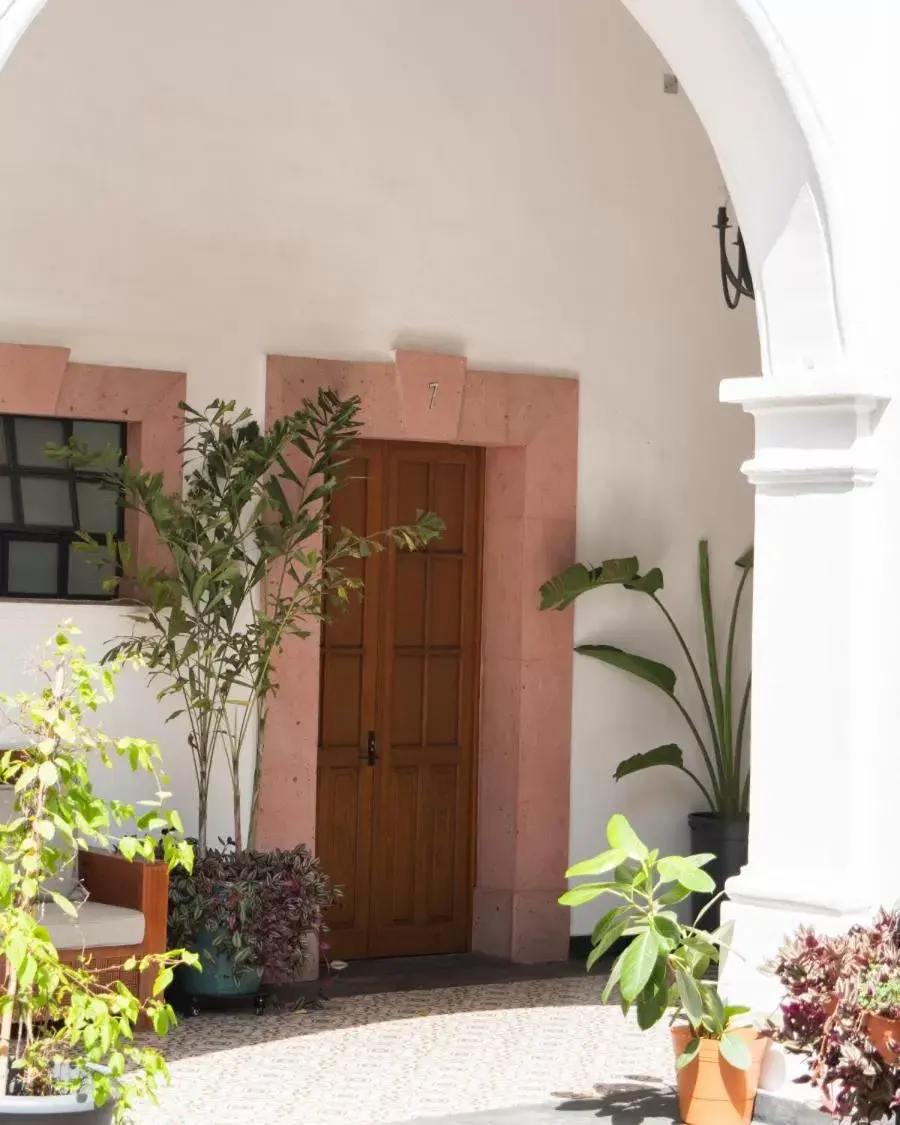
(528, 425)
(41, 381)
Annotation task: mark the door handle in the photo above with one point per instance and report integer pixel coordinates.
(371, 749)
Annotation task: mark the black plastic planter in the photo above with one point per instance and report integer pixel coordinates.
(727, 840)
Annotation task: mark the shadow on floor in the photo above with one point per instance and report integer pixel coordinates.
(618, 1104)
(624, 1104)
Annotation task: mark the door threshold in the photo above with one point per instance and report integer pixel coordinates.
(449, 970)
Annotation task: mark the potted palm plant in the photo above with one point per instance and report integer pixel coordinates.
(664, 967)
(253, 561)
(722, 773)
(66, 1032)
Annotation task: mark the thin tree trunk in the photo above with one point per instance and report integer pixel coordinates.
(257, 777)
(236, 805)
(202, 815)
(11, 986)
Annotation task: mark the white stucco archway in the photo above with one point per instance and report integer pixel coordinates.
(766, 133)
(822, 669)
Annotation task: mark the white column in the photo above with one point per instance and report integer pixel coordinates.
(821, 750)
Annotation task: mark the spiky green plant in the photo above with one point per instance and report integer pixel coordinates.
(726, 784)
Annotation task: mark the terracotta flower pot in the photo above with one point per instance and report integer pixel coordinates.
(881, 1032)
(710, 1090)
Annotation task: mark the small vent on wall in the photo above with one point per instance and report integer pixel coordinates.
(670, 84)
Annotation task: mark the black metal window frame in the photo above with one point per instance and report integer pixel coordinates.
(64, 537)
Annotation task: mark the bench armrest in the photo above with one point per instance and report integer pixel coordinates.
(134, 884)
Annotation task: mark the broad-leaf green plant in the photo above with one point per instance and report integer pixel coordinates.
(254, 563)
(725, 778)
(663, 967)
(64, 1025)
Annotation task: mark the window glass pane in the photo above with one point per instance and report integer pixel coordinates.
(32, 436)
(98, 435)
(46, 502)
(33, 567)
(86, 577)
(6, 505)
(98, 507)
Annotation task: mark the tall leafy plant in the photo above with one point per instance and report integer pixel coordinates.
(254, 562)
(724, 780)
(63, 1025)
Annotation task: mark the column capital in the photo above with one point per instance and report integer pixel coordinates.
(812, 431)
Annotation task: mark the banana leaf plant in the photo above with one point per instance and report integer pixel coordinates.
(664, 964)
(724, 780)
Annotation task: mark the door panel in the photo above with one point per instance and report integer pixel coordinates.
(398, 835)
(428, 666)
(346, 715)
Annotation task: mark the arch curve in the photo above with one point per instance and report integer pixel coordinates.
(765, 132)
(766, 135)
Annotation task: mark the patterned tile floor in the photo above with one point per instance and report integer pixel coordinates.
(397, 1057)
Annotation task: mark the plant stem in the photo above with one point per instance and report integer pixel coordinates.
(712, 656)
(6, 1023)
(693, 667)
(729, 678)
(713, 777)
(739, 745)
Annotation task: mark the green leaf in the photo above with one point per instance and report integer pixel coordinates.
(688, 1055)
(668, 929)
(638, 961)
(649, 583)
(48, 774)
(723, 934)
(625, 840)
(609, 937)
(735, 1051)
(676, 868)
(599, 865)
(609, 919)
(732, 1011)
(615, 974)
(164, 978)
(689, 994)
(745, 562)
(673, 895)
(66, 905)
(654, 999)
(700, 859)
(668, 755)
(716, 1020)
(587, 892)
(659, 675)
(559, 592)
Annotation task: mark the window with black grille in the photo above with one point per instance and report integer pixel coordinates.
(45, 503)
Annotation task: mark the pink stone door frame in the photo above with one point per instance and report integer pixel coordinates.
(40, 380)
(528, 425)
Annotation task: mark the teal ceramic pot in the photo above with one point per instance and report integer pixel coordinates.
(218, 975)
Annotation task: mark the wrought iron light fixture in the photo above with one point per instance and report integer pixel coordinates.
(736, 283)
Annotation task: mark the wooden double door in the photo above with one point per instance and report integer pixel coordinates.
(398, 707)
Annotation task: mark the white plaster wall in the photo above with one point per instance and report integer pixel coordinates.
(182, 187)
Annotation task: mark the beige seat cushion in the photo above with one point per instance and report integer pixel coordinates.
(97, 926)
